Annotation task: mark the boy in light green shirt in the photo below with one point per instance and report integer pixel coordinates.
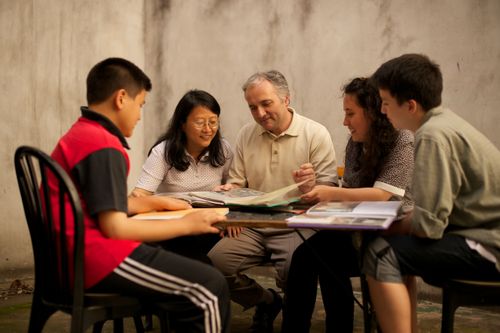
(454, 229)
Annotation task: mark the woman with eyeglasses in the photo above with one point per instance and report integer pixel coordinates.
(190, 156)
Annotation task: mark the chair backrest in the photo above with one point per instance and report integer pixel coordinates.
(53, 210)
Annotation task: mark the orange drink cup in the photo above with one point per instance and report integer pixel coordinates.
(340, 174)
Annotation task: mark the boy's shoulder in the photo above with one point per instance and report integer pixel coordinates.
(92, 133)
(84, 138)
(440, 121)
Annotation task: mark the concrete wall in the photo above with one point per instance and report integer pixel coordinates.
(47, 49)
(319, 45)
(49, 46)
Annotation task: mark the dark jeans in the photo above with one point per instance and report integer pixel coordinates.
(331, 257)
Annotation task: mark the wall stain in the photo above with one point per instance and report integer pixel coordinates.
(306, 8)
(217, 6)
(390, 31)
(159, 12)
(163, 5)
(270, 51)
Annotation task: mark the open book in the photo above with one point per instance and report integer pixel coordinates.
(348, 215)
(240, 197)
(176, 214)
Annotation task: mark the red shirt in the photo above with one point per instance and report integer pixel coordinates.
(92, 153)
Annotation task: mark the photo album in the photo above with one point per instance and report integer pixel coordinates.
(240, 197)
(348, 215)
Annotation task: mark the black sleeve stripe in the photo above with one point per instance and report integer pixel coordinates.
(102, 178)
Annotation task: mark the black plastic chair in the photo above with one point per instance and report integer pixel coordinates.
(458, 293)
(59, 284)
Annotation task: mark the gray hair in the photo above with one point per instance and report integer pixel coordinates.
(274, 77)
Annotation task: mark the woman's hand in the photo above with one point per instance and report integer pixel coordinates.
(319, 193)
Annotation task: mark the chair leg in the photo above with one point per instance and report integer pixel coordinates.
(164, 322)
(148, 322)
(39, 315)
(118, 325)
(448, 311)
(98, 327)
(77, 325)
(369, 319)
(139, 328)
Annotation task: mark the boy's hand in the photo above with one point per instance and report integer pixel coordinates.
(150, 203)
(201, 222)
(319, 193)
(400, 227)
(305, 173)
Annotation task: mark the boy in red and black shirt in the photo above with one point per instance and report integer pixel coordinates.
(116, 260)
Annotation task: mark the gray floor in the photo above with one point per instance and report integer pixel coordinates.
(14, 314)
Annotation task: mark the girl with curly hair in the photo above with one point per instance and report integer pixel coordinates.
(378, 167)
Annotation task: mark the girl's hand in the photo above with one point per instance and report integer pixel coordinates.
(319, 193)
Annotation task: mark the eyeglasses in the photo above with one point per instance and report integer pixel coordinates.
(200, 124)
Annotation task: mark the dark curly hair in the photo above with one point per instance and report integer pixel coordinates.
(176, 139)
(369, 156)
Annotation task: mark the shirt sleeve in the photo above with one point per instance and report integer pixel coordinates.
(154, 169)
(102, 178)
(237, 173)
(323, 157)
(434, 180)
(228, 152)
(396, 174)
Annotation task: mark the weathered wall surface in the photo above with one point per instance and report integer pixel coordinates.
(319, 45)
(47, 48)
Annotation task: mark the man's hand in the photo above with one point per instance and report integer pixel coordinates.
(319, 193)
(233, 232)
(305, 173)
(201, 222)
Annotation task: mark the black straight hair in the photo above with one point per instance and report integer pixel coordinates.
(113, 74)
(176, 139)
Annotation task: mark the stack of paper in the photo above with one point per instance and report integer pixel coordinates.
(348, 215)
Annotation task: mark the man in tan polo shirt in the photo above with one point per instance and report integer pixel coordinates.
(281, 147)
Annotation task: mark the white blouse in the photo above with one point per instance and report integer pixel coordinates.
(159, 177)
